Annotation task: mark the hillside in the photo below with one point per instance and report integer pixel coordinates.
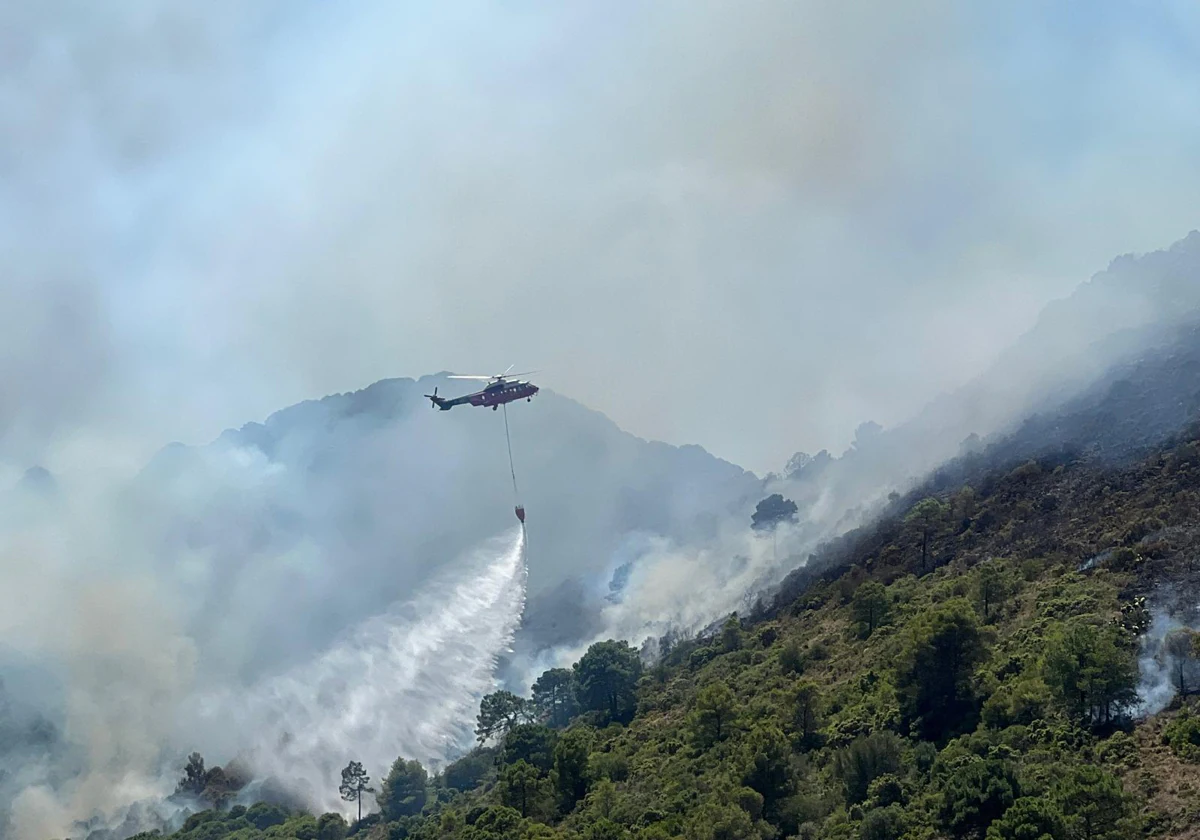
(1124, 415)
(1135, 321)
(967, 666)
(1116, 418)
(1120, 313)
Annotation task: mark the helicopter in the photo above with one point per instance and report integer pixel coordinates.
(501, 388)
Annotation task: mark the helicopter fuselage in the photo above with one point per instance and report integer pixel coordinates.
(494, 396)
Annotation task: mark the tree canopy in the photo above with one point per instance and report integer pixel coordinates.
(499, 712)
(405, 789)
(935, 666)
(606, 676)
(1093, 674)
(554, 697)
(772, 511)
(355, 782)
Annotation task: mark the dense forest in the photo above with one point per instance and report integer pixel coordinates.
(965, 667)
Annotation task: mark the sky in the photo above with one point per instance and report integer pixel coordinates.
(748, 225)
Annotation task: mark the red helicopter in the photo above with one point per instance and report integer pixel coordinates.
(501, 388)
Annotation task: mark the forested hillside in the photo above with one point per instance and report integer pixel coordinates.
(966, 667)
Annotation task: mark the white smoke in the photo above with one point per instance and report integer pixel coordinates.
(1155, 689)
(684, 589)
(660, 586)
(674, 588)
(404, 683)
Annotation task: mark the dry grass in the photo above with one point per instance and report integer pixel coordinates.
(1168, 787)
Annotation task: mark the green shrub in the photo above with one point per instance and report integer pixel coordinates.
(1182, 735)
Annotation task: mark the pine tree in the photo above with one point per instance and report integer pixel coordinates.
(355, 782)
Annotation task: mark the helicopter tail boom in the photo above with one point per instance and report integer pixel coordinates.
(439, 402)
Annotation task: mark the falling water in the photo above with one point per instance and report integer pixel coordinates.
(404, 683)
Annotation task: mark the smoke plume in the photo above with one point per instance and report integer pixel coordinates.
(1165, 668)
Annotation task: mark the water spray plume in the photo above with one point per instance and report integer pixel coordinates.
(404, 683)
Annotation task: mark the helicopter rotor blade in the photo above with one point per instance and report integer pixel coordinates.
(495, 377)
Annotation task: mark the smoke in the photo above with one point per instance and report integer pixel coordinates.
(1168, 661)
(660, 200)
(659, 586)
(1155, 688)
(404, 683)
(113, 667)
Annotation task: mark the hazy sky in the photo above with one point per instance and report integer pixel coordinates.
(749, 225)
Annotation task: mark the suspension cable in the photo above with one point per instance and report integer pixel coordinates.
(511, 468)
